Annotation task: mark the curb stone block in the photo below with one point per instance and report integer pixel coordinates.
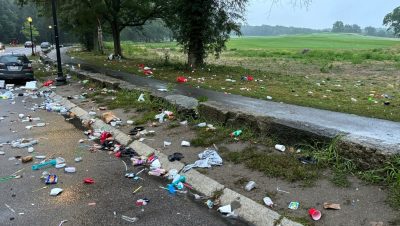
(202, 183)
(79, 112)
(253, 211)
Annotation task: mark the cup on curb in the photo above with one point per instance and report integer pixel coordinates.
(249, 186)
(113, 123)
(315, 214)
(280, 147)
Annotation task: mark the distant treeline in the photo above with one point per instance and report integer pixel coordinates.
(267, 30)
(338, 27)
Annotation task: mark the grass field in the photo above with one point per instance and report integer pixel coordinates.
(341, 72)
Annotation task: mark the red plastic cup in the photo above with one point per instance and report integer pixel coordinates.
(315, 214)
(88, 181)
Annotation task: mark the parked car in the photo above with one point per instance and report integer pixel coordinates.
(2, 46)
(28, 44)
(16, 67)
(45, 46)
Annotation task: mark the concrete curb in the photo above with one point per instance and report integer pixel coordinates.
(250, 210)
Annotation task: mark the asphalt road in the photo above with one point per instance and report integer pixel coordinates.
(24, 202)
(18, 50)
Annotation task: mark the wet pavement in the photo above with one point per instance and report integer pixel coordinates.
(370, 132)
(25, 201)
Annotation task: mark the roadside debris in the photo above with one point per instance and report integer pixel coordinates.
(333, 206)
(315, 214)
(56, 191)
(294, 205)
(208, 158)
(250, 186)
(129, 219)
(268, 202)
(280, 147)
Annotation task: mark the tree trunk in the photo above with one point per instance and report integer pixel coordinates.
(100, 37)
(117, 38)
(196, 53)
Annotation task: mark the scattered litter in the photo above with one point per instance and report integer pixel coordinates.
(88, 181)
(51, 179)
(109, 117)
(183, 123)
(91, 204)
(185, 144)
(210, 204)
(227, 209)
(26, 159)
(315, 214)
(129, 219)
(78, 159)
(280, 147)
(40, 156)
(278, 189)
(250, 186)
(129, 122)
(11, 209)
(142, 202)
(269, 98)
(334, 206)
(31, 149)
(208, 158)
(23, 143)
(137, 189)
(141, 98)
(70, 169)
(307, 160)
(62, 222)
(2, 153)
(294, 205)
(52, 162)
(236, 133)
(55, 191)
(167, 143)
(177, 156)
(181, 79)
(268, 202)
(203, 124)
(163, 90)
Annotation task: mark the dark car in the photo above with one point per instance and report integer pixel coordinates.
(2, 46)
(28, 44)
(15, 67)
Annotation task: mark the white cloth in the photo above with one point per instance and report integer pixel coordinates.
(208, 158)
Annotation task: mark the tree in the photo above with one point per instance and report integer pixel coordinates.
(371, 31)
(355, 29)
(204, 26)
(129, 13)
(338, 26)
(26, 31)
(393, 21)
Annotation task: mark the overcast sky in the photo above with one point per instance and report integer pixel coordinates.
(321, 13)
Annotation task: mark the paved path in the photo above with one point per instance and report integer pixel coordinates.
(375, 133)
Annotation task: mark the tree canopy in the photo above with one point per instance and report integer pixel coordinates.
(392, 20)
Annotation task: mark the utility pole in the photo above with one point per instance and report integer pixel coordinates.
(30, 27)
(60, 80)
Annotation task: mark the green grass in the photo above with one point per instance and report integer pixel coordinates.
(312, 41)
(327, 77)
(284, 166)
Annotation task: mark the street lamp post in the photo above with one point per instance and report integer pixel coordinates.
(51, 35)
(60, 77)
(30, 27)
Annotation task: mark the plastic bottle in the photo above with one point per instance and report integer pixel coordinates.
(236, 133)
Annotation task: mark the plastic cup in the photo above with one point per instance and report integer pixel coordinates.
(249, 186)
(280, 147)
(315, 214)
